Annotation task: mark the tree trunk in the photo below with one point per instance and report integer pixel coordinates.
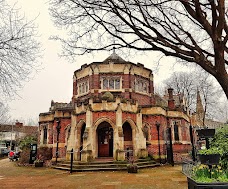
(223, 81)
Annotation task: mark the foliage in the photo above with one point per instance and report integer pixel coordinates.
(202, 173)
(26, 141)
(191, 31)
(220, 141)
(209, 151)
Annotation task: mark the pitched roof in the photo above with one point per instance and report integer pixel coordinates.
(114, 58)
(18, 128)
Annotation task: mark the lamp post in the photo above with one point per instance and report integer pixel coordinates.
(159, 151)
(58, 127)
(192, 141)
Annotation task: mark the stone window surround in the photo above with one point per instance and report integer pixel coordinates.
(178, 123)
(144, 89)
(67, 133)
(42, 126)
(113, 78)
(147, 126)
(83, 87)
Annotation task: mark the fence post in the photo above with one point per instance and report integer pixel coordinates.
(71, 160)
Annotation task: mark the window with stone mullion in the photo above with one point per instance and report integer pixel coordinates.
(111, 83)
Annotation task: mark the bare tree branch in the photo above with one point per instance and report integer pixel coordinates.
(4, 113)
(19, 50)
(193, 31)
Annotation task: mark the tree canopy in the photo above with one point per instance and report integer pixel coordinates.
(193, 31)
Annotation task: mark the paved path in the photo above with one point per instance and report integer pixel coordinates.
(164, 177)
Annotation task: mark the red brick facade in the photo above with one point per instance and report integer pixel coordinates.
(129, 101)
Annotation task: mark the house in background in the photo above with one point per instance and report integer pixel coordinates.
(10, 135)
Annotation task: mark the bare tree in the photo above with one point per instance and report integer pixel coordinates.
(4, 114)
(189, 83)
(184, 83)
(194, 31)
(19, 49)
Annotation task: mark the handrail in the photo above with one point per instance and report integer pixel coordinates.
(85, 147)
(76, 151)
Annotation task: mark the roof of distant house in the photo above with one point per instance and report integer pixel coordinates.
(18, 127)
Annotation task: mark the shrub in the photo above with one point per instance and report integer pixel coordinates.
(24, 156)
(45, 153)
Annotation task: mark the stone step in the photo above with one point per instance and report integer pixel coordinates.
(106, 162)
(104, 166)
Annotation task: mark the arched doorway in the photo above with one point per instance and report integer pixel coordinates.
(127, 132)
(105, 140)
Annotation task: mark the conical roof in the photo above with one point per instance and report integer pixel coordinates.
(114, 58)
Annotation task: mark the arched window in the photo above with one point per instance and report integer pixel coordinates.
(146, 132)
(127, 131)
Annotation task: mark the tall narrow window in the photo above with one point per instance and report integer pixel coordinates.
(83, 87)
(86, 87)
(111, 83)
(117, 84)
(146, 132)
(45, 135)
(105, 84)
(176, 132)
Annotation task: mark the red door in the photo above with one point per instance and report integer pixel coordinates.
(105, 142)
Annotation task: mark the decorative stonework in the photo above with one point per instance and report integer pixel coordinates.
(113, 109)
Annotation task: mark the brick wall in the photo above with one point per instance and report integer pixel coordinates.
(127, 115)
(63, 123)
(104, 114)
(81, 117)
(126, 80)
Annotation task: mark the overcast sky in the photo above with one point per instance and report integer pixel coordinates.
(54, 81)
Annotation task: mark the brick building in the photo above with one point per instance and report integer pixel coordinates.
(114, 109)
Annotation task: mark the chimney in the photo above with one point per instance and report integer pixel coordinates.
(171, 102)
(18, 124)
